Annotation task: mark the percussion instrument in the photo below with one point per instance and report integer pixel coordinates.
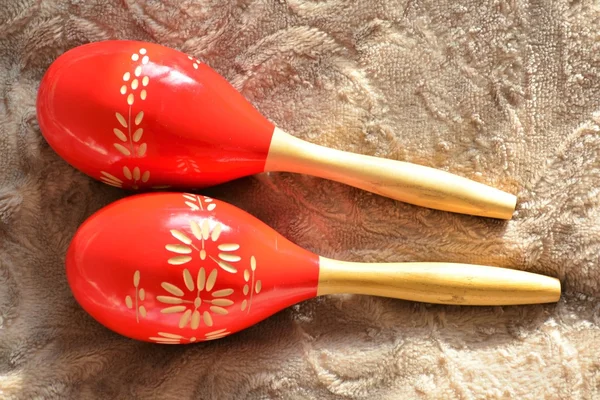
(142, 116)
(177, 268)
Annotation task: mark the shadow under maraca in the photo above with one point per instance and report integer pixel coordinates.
(335, 220)
(322, 336)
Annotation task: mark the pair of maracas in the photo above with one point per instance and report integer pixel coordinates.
(174, 267)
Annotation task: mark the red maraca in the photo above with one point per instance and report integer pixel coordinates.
(180, 268)
(140, 115)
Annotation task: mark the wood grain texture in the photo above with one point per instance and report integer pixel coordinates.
(441, 283)
(408, 182)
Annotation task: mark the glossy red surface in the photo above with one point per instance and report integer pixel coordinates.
(180, 268)
(141, 115)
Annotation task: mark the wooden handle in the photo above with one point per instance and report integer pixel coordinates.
(411, 183)
(442, 283)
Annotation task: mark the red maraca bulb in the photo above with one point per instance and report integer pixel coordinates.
(183, 268)
(136, 114)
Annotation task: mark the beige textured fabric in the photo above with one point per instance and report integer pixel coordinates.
(503, 92)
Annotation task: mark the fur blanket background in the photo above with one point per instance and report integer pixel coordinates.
(503, 92)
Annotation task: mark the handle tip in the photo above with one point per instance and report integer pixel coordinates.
(552, 290)
(506, 205)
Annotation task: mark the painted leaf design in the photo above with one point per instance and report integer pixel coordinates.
(170, 335)
(137, 135)
(219, 310)
(179, 260)
(229, 257)
(208, 319)
(145, 176)
(122, 149)
(121, 120)
(161, 340)
(205, 229)
(187, 278)
(192, 206)
(169, 287)
(142, 149)
(127, 173)
(226, 266)
(222, 292)
(195, 319)
(212, 278)
(110, 183)
(139, 117)
(214, 333)
(171, 310)
(196, 230)
(111, 177)
(181, 236)
(201, 279)
(169, 299)
(216, 233)
(179, 248)
(222, 302)
(185, 318)
(229, 247)
(217, 336)
(120, 135)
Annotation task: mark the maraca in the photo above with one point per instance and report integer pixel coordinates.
(140, 115)
(180, 268)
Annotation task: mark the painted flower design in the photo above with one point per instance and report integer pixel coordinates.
(140, 296)
(171, 338)
(216, 334)
(203, 234)
(195, 62)
(135, 176)
(252, 285)
(180, 301)
(195, 202)
(187, 164)
(128, 128)
(130, 134)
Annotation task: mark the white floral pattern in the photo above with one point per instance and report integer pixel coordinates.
(203, 232)
(129, 131)
(140, 296)
(202, 286)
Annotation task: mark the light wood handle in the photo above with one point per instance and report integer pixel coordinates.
(442, 283)
(407, 182)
